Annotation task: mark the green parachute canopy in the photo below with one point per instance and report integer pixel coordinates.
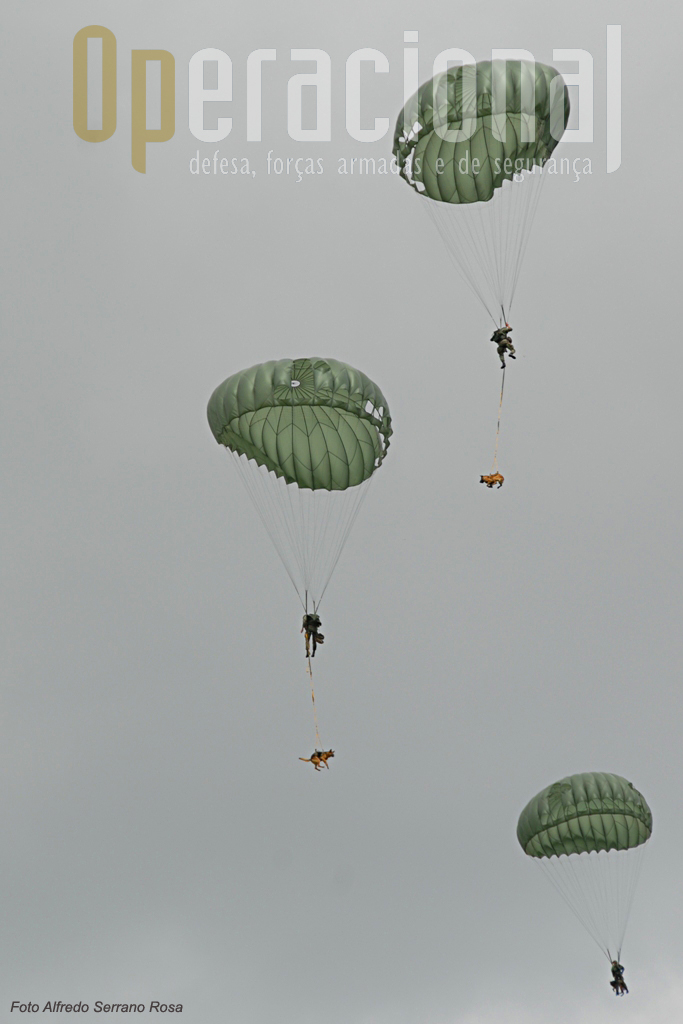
(475, 140)
(587, 833)
(306, 437)
(583, 813)
(316, 423)
(471, 128)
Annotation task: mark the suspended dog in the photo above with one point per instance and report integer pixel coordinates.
(319, 757)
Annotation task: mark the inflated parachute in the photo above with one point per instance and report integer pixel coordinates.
(588, 833)
(307, 436)
(473, 142)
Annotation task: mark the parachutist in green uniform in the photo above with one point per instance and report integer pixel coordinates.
(311, 630)
(617, 982)
(500, 337)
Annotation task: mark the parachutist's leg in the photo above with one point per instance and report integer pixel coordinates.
(308, 649)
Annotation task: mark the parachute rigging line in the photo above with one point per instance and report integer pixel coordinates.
(486, 242)
(309, 529)
(598, 888)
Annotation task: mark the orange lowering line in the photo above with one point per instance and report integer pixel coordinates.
(318, 744)
(494, 466)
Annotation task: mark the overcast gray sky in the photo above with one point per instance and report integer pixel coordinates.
(160, 838)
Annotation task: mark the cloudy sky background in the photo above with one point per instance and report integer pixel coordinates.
(161, 840)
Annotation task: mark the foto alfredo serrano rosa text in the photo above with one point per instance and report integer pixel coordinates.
(99, 1006)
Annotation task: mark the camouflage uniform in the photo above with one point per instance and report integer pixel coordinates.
(500, 337)
(311, 630)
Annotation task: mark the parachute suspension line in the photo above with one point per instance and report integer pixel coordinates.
(560, 885)
(351, 516)
(263, 500)
(329, 518)
(442, 219)
(629, 886)
(308, 528)
(527, 223)
(494, 466)
(487, 241)
(598, 887)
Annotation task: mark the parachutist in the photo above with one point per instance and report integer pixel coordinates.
(617, 982)
(319, 757)
(311, 630)
(501, 339)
